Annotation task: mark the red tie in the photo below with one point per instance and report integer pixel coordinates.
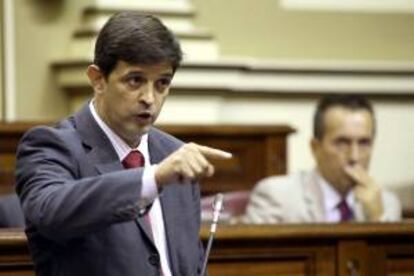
(134, 159)
(345, 210)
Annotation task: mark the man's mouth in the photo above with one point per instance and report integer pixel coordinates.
(144, 117)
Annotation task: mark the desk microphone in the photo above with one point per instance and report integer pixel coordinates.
(217, 208)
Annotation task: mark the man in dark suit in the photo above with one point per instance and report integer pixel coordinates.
(104, 192)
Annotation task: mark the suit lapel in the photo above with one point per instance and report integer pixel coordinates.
(313, 197)
(101, 152)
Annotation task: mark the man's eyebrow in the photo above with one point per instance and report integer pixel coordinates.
(142, 73)
(365, 139)
(342, 138)
(167, 74)
(134, 73)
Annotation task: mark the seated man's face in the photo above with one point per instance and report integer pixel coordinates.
(347, 141)
(131, 97)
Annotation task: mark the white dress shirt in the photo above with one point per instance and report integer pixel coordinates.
(331, 199)
(148, 190)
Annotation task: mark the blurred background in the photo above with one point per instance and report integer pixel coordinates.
(262, 62)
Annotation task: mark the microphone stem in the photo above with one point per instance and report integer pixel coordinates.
(217, 206)
(209, 244)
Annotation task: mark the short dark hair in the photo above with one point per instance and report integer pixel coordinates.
(135, 38)
(348, 101)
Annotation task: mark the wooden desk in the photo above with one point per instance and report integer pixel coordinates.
(372, 249)
(369, 249)
(14, 254)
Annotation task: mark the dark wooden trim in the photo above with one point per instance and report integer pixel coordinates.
(227, 130)
(313, 231)
(13, 236)
(17, 128)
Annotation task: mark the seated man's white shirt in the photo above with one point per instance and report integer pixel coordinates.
(331, 199)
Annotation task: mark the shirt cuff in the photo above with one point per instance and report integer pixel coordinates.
(149, 188)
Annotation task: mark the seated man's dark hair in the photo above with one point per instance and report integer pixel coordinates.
(348, 101)
(136, 39)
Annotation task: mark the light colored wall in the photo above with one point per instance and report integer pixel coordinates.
(1, 62)
(263, 29)
(44, 28)
(393, 158)
(43, 31)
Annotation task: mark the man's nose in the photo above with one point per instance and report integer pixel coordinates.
(354, 154)
(147, 94)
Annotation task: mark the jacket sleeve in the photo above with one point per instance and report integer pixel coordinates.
(392, 207)
(58, 201)
(264, 206)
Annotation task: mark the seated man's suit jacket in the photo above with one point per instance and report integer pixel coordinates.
(298, 198)
(82, 207)
(11, 214)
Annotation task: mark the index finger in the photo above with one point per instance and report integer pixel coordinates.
(214, 153)
(357, 173)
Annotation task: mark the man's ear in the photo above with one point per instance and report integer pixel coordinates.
(96, 78)
(315, 144)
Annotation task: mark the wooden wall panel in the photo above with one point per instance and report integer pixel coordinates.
(258, 151)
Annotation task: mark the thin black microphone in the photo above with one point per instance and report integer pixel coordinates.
(217, 207)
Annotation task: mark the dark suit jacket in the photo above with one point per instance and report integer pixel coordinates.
(82, 207)
(11, 214)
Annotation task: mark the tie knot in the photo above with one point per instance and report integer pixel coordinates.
(134, 159)
(345, 210)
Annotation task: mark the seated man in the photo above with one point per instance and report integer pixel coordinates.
(340, 188)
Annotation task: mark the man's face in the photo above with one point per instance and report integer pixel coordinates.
(129, 100)
(347, 141)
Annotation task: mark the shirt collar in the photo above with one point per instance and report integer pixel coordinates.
(121, 147)
(331, 197)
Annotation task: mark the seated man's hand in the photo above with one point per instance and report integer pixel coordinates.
(367, 192)
(188, 164)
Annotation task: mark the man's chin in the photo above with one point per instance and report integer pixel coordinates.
(343, 186)
(348, 186)
(134, 131)
(139, 132)
(144, 129)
